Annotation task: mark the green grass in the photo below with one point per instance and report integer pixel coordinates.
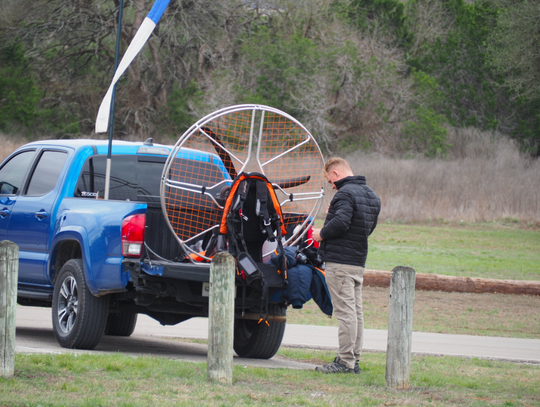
(488, 250)
(118, 380)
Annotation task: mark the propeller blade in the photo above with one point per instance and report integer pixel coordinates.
(292, 182)
(221, 152)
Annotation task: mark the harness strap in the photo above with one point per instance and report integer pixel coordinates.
(243, 299)
(267, 210)
(235, 185)
(242, 195)
(261, 209)
(281, 256)
(264, 303)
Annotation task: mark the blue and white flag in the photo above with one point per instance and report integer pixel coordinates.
(142, 35)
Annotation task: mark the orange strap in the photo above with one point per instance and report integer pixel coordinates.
(277, 206)
(322, 271)
(228, 204)
(197, 256)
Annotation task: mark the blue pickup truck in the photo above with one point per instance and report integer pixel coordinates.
(99, 263)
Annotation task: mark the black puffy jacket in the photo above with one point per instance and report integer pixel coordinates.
(352, 216)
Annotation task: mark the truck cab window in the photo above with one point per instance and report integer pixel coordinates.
(13, 172)
(123, 181)
(47, 172)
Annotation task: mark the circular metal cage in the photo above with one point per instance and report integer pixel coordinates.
(227, 142)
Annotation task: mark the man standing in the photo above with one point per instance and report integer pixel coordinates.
(350, 219)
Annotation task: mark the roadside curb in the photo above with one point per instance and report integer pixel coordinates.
(517, 350)
(34, 334)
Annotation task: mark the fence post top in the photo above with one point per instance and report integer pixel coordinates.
(222, 257)
(7, 243)
(403, 269)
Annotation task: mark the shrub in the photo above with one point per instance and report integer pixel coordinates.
(18, 93)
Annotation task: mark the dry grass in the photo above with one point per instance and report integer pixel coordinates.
(9, 144)
(484, 178)
(513, 316)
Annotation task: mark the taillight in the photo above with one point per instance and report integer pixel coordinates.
(133, 235)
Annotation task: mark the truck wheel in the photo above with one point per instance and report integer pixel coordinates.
(121, 324)
(259, 341)
(78, 317)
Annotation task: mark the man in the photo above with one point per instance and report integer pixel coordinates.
(350, 219)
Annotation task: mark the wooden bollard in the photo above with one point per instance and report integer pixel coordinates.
(9, 273)
(221, 318)
(400, 321)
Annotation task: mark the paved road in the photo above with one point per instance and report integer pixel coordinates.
(34, 334)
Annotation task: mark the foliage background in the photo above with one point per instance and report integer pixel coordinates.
(374, 75)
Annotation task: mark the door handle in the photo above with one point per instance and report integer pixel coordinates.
(4, 213)
(41, 214)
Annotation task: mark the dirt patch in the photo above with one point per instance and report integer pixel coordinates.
(504, 315)
(514, 316)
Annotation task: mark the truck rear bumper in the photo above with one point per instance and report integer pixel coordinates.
(188, 280)
(167, 270)
(177, 271)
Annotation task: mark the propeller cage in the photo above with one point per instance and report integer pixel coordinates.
(243, 138)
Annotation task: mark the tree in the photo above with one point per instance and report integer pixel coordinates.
(385, 75)
(514, 46)
(65, 45)
(70, 50)
(18, 93)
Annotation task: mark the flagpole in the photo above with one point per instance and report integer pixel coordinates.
(111, 115)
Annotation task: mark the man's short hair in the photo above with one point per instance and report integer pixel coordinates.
(336, 162)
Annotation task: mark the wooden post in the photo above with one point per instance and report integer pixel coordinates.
(400, 321)
(9, 273)
(221, 318)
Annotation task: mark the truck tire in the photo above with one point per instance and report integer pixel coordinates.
(121, 324)
(78, 317)
(259, 341)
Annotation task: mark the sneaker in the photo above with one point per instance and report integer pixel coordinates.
(356, 368)
(335, 367)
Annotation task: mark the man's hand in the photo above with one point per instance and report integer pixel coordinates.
(316, 234)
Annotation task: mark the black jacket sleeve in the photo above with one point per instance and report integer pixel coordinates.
(341, 213)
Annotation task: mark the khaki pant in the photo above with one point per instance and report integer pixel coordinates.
(345, 285)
